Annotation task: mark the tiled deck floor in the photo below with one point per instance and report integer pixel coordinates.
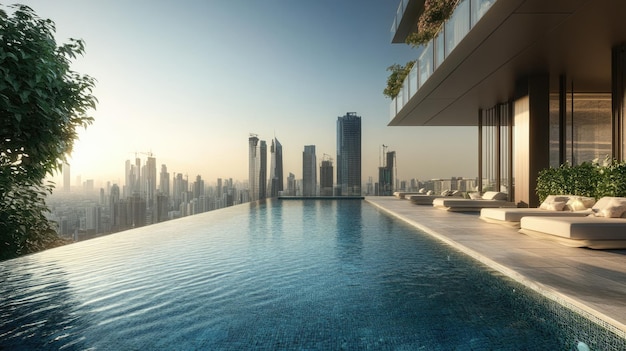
(590, 281)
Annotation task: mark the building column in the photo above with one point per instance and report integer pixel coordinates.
(618, 98)
(531, 120)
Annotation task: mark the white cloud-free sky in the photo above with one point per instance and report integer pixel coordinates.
(189, 80)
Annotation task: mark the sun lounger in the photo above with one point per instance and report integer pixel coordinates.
(423, 199)
(489, 199)
(596, 231)
(553, 206)
(427, 199)
(404, 194)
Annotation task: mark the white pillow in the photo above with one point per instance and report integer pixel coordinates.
(575, 204)
(555, 206)
(429, 192)
(552, 198)
(588, 201)
(475, 196)
(495, 195)
(614, 209)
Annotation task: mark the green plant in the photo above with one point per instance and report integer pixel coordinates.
(396, 78)
(587, 179)
(436, 12)
(612, 179)
(42, 103)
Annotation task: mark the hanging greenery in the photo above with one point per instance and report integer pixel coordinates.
(396, 78)
(436, 12)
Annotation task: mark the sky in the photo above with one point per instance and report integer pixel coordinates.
(188, 81)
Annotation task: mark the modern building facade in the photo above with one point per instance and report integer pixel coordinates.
(309, 171)
(257, 168)
(326, 178)
(386, 174)
(262, 170)
(349, 155)
(253, 167)
(543, 82)
(276, 168)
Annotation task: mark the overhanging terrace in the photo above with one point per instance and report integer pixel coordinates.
(488, 46)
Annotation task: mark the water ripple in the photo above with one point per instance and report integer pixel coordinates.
(291, 275)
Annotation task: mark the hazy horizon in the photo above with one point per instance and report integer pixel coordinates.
(189, 81)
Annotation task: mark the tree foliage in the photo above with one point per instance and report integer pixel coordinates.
(42, 103)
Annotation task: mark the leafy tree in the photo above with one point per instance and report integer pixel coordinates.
(42, 103)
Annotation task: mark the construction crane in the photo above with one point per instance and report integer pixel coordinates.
(148, 153)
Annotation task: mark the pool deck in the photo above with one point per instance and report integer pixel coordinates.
(592, 282)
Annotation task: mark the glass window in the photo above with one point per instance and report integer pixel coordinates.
(426, 63)
(457, 26)
(479, 7)
(589, 130)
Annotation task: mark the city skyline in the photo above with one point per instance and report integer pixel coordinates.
(188, 82)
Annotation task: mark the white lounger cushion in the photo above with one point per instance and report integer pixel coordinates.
(424, 199)
(593, 232)
(451, 204)
(514, 215)
(553, 206)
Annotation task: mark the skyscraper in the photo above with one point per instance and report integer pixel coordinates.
(349, 155)
(150, 175)
(386, 175)
(326, 178)
(291, 184)
(309, 171)
(262, 170)
(276, 168)
(253, 169)
(114, 207)
(164, 181)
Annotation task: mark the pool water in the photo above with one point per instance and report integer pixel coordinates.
(305, 275)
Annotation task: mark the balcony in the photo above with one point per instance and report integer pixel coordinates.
(433, 54)
(487, 48)
(405, 21)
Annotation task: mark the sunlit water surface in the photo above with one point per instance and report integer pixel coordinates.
(314, 275)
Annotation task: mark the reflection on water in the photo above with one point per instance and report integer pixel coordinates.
(271, 275)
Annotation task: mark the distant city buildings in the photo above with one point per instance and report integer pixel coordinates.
(147, 197)
(291, 185)
(257, 168)
(386, 173)
(276, 168)
(309, 171)
(253, 167)
(262, 181)
(326, 177)
(349, 155)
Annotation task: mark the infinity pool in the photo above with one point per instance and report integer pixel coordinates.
(306, 275)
